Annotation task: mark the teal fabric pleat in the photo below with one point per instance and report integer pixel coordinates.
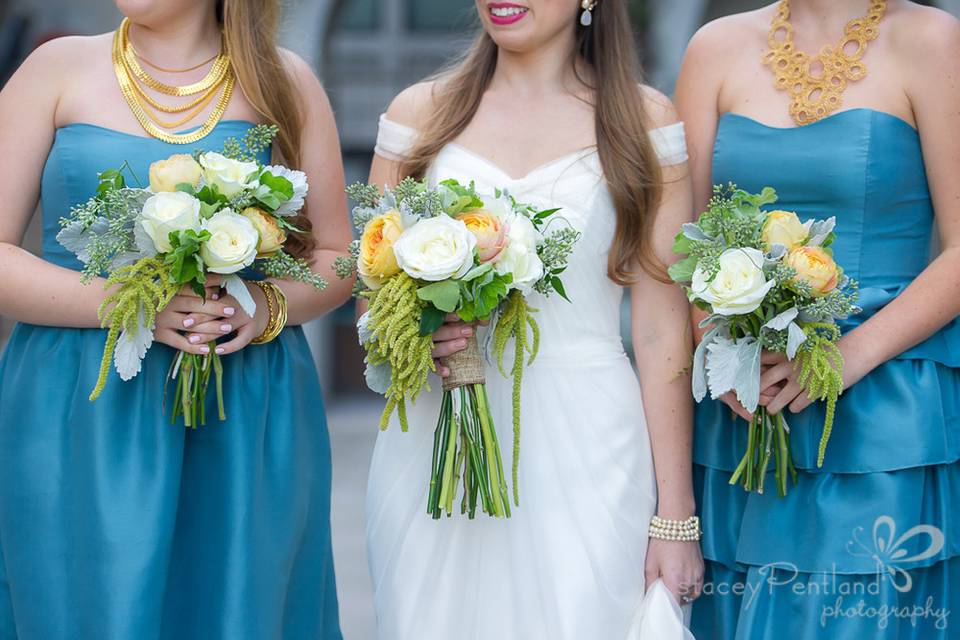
(892, 462)
(116, 524)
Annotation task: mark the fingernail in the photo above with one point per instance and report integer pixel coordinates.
(215, 296)
(219, 349)
(226, 328)
(194, 339)
(204, 349)
(229, 311)
(466, 332)
(188, 322)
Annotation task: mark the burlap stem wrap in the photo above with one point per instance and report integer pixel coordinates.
(466, 367)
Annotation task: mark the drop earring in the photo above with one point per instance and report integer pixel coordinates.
(586, 18)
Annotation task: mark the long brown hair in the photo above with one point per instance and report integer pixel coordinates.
(250, 33)
(629, 161)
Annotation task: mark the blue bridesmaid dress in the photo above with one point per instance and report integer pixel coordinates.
(841, 556)
(116, 524)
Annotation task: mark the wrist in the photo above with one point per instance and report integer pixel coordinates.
(677, 510)
(261, 316)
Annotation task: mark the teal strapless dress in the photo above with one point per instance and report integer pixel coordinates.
(116, 524)
(838, 558)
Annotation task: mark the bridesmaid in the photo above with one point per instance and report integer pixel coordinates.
(878, 146)
(115, 524)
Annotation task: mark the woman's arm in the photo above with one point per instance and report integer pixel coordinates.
(660, 322)
(31, 289)
(931, 72)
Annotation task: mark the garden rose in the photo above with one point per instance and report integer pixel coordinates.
(784, 227)
(520, 256)
(739, 287)
(377, 261)
(233, 242)
(436, 249)
(272, 236)
(489, 230)
(166, 212)
(229, 176)
(815, 267)
(181, 168)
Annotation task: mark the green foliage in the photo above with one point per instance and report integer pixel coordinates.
(394, 322)
(821, 373)
(514, 322)
(460, 199)
(273, 190)
(143, 287)
(444, 295)
(344, 267)
(283, 266)
(365, 195)
(554, 253)
(480, 296)
(254, 141)
(183, 261)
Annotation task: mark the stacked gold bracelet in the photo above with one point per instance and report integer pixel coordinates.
(677, 530)
(277, 305)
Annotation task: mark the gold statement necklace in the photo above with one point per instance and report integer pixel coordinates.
(815, 95)
(133, 79)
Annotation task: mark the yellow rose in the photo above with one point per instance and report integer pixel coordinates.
(272, 236)
(377, 261)
(815, 267)
(165, 175)
(489, 230)
(784, 227)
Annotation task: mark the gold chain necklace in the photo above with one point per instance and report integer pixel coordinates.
(167, 70)
(815, 96)
(128, 72)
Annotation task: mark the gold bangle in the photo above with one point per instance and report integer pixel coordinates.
(277, 306)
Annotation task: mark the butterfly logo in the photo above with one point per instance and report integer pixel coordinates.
(888, 550)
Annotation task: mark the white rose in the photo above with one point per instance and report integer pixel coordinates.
(739, 287)
(166, 212)
(520, 257)
(300, 187)
(230, 176)
(436, 249)
(233, 242)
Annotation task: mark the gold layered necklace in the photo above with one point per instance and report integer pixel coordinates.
(134, 81)
(816, 94)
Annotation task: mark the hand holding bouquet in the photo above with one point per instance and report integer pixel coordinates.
(207, 213)
(423, 254)
(769, 282)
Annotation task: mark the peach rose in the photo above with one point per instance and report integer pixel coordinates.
(489, 230)
(272, 236)
(815, 267)
(377, 261)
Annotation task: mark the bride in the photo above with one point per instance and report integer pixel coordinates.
(546, 104)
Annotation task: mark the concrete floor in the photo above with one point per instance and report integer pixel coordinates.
(353, 430)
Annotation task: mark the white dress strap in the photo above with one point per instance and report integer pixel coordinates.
(394, 140)
(670, 143)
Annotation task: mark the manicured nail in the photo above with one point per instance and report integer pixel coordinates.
(215, 296)
(226, 328)
(204, 349)
(194, 339)
(188, 322)
(229, 311)
(219, 349)
(467, 331)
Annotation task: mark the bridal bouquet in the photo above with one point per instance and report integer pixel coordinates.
(206, 213)
(768, 281)
(425, 253)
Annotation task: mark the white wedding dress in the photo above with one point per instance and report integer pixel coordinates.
(569, 563)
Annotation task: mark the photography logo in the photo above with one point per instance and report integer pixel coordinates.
(889, 551)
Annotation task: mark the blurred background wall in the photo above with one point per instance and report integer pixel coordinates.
(364, 51)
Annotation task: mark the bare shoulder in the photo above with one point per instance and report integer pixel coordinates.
(302, 74)
(413, 106)
(718, 39)
(60, 59)
(658, 107)
(924, 34)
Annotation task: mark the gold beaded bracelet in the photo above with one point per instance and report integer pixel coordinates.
(277, 306)
(676, 530)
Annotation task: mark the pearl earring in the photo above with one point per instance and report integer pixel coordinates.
(586, 18)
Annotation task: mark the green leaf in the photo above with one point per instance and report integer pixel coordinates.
(277, 184)
(682, 244)
(682, 271)
(431, 319)
(466, 198)
(187, 188)
(558, 287)
(477, 271)
(444, 295)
